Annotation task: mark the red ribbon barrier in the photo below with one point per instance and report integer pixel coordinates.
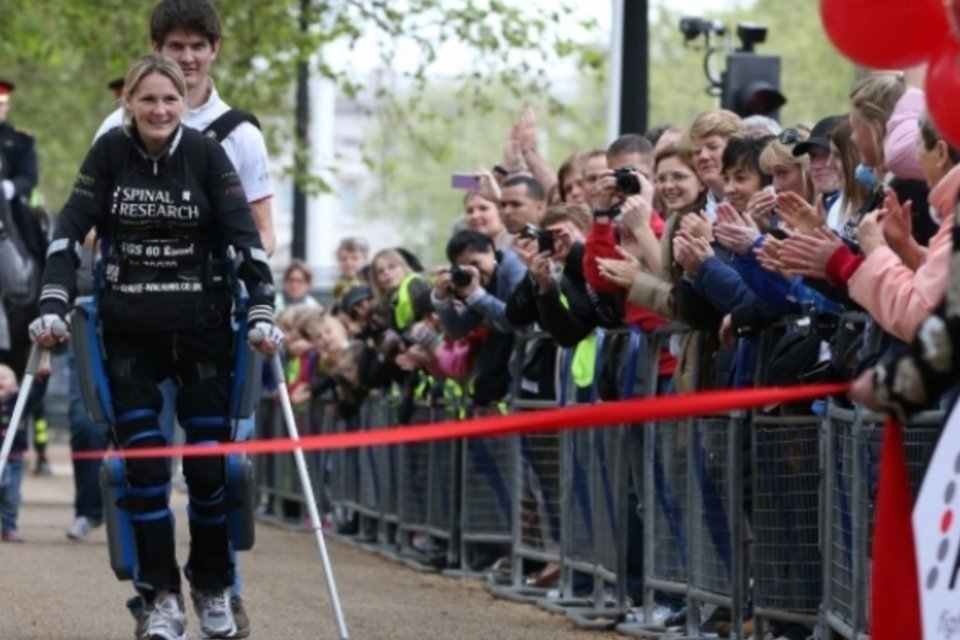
(575, 417)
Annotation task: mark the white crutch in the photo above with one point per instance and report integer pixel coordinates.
(256, 337)
(59, 330)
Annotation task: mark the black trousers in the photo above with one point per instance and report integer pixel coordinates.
(200, 362)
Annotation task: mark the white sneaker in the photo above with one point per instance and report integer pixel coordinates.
(82, 527)
(214, 613)
(165, 618)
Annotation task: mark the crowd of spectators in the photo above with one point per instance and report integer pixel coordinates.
(731, 227)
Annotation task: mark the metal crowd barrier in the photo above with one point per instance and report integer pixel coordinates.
(853, 441)
(486, 502)
(800, 546)
(595, 509)
(536, 492)
(787, 577)
(344, 478)
(279, 497)
(663, 453)
(427, 505)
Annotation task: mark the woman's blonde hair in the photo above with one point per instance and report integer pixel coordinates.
(872, 101)
(716, 122)
(312, 324)
(394, 255)
(145, 66)
(777, 154)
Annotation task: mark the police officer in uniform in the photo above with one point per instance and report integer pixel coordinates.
(167, 202)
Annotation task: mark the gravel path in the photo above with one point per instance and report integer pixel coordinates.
(53, 588)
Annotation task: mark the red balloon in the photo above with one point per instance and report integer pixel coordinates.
(953, 16)
(943, 87)
(884, 34)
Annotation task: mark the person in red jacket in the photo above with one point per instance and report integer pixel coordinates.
(621, 220)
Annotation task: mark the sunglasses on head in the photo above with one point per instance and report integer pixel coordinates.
(789, 136)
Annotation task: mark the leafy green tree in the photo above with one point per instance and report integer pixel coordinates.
(62, 54)
(412, 187)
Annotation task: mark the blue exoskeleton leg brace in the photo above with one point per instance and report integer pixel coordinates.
(124, 504)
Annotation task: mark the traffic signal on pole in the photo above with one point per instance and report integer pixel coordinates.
(751, 85)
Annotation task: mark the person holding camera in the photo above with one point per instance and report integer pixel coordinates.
(472, 294)
(556, 295)
(617, 227)
(629, 160)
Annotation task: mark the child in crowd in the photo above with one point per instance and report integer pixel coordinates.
(13, 470)
(301, 356)
(352, 256)
(329, 337)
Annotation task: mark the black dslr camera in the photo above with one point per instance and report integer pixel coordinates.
(543, 237)
(460, 276)
(627, 183)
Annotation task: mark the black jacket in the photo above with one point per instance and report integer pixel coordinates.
(166, 224)
(568, 323)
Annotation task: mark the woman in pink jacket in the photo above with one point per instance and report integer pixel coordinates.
(898, 281)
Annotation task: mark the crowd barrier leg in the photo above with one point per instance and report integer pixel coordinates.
(388, 463)
(841, 612)
(443, 495)
(486, 502)
(715, 511)
(281, 502)
(787, 578)
(852, 467)
(535, 529)
(661, 457)
(414, 541)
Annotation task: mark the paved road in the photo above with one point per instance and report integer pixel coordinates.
(53, 588)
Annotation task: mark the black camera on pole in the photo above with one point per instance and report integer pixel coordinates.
(750, 85)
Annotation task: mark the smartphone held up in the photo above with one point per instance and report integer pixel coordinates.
(466, 181)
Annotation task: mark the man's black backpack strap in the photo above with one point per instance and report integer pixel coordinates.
(226, 123)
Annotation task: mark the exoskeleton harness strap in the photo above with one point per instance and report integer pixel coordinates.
(224, 125)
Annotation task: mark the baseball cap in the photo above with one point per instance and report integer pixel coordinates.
(355, 296)
(818, 136)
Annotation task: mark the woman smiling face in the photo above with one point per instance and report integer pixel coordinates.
(677, 184)
(482, 215)
(156, 105)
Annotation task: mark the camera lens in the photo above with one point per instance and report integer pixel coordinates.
(627, 182)
(460, 277)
